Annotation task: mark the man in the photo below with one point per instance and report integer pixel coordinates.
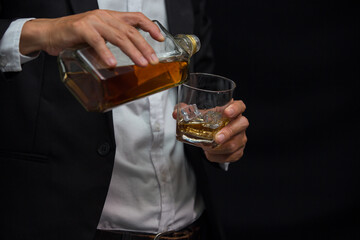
(57, 159)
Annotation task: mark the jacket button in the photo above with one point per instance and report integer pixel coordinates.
(104, 149)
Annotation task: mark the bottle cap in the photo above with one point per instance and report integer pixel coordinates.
(195, 42)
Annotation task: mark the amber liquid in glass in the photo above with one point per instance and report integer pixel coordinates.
(198, 131)
(123, 84)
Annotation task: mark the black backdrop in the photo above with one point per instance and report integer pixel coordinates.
(296, 64)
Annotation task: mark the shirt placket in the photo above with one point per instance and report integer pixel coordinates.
(161, 164)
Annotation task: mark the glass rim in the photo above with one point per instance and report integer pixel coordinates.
(233, 84)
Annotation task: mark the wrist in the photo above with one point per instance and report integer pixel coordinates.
(33, 37)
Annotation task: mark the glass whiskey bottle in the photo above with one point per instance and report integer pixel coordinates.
(100, 88)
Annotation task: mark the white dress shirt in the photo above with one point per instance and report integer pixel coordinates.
(153, 188)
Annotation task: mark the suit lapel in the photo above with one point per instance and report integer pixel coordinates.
(79, 6)
(180, 16)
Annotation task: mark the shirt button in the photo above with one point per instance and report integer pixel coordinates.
(104, 149)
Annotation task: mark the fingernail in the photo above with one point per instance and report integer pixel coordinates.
(154, 59)
(230, 111)
(161, 37)
(143, 61)
(220, 138)
(111, 61)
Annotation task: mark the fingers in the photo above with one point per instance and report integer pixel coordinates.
(139, 20)
(232, 138)
(135, 46)
(230, 151)
(233, 128)
(237, 122)
(235, 109)
(230, 146)
(98, 26)
(179, 105)
(174, 114)
(123, 34)
(139, 51)
(223, 158)
(95, 40)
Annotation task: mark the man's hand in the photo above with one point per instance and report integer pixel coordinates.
(232, 138)
(93, 28)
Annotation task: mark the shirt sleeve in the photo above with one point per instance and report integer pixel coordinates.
(10, 56)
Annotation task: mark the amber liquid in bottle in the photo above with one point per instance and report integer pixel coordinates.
(124, 84)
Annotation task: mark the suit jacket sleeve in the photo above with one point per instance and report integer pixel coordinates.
(4, 23)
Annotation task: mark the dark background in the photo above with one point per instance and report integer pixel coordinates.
(296, 65)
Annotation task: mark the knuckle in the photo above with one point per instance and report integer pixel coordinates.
(97, 12)
(139, 14)
(237, 156)
(120, 38)
(243, 104)
(92, 17)
(131, 31)
(232, 147)
(209, 156)
(134, 17)
(245, 139)
(84, 22)
(78, 25)
(148, 51)
(245, 121)
(228, 131)
(96, 40)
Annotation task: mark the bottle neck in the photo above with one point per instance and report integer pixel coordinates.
(190, 43)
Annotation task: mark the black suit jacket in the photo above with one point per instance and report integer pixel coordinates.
(56, 158)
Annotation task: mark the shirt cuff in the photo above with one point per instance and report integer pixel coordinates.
(10, 56)
(224, 166)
